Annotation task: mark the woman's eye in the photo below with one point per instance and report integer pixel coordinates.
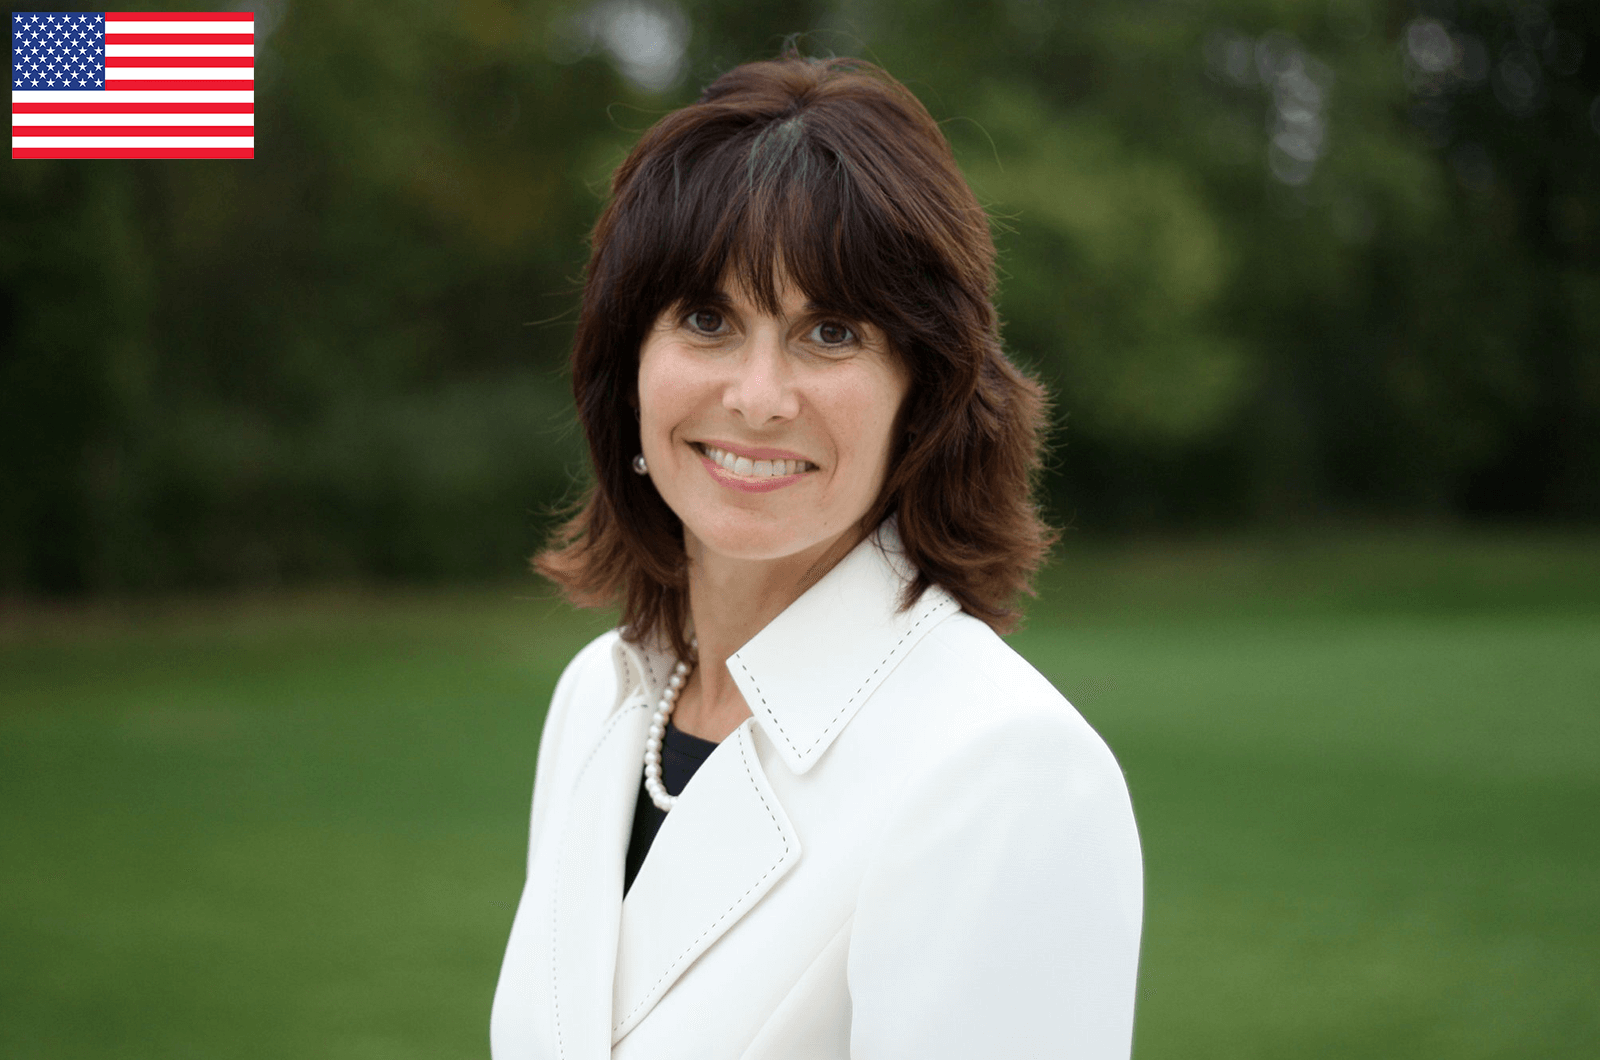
(707, 321)
(832, 333)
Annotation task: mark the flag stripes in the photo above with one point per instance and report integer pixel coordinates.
(139, 95)
(179, 38)
(172, 29)
(108, 109)
(191, 48)
(238, 124)
(132, 130)
(180, 16)
(141, 151)
(177, 60)
(136, 84)
(132, 142)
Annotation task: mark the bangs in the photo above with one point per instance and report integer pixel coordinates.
(770, 204)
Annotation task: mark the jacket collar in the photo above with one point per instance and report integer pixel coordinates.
(809, 671)
(804, 676)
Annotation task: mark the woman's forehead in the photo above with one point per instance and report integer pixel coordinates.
(736, 287)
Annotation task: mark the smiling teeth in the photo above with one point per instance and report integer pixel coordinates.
(740, 465)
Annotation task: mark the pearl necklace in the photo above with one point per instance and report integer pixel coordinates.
(658, 730)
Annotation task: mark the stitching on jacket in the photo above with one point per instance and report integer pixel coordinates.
(641, 668)
(638, 675)
(555, 896)
(649, 676)
(555, 980)
(941, 607)
(762, 696)
(744, 757)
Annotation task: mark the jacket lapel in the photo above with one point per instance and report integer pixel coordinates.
(588, 886)
(718, 853)
(854, 633)
(728, 841)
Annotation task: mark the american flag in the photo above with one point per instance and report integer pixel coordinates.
(132, 84)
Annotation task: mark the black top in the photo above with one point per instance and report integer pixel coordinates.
(681, 755)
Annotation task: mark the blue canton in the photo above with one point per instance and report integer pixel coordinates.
(58, 50)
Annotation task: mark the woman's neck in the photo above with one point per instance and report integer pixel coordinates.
(730, 601)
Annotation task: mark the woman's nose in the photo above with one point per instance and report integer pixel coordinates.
(763, 387)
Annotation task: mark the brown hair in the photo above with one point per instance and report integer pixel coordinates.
(832, 174)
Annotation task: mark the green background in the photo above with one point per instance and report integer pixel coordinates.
(1315, 285)
(1366, 773)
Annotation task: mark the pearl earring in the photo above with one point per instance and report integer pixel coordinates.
(639, 466)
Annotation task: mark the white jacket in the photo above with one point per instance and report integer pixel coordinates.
(915, 848)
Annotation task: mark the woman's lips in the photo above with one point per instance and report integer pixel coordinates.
(753, 471)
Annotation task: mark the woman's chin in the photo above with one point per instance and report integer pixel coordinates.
(747, 540)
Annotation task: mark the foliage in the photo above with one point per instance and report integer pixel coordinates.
(1280, 261)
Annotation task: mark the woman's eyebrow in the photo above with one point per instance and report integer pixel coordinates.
(823, 309)
(718, 299)
(721, 299)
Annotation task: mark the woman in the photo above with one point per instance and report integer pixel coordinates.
(812, 500)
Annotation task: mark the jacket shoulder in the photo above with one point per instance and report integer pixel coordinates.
(590, 677)
(597, 654)
(1010, 831)
(971, 685)
(585, 693)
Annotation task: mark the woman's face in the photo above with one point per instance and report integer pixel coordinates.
(769, 436)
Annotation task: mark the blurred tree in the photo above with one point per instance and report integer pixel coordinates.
(1279, 260)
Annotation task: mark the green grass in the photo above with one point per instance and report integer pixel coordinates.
(1366, 771)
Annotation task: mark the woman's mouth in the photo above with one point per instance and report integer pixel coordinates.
(751, 475)
(747, 468)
